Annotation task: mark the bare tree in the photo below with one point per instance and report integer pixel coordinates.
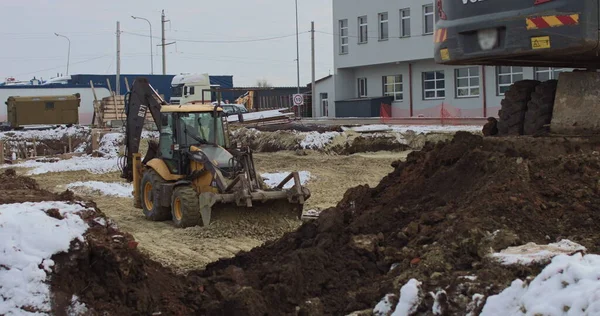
(263, 83)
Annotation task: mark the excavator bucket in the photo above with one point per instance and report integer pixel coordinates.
(576, 104)
(256, 205)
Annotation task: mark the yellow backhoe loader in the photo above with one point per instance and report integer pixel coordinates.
(193, 168)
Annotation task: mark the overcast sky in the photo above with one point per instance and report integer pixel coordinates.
(30, 48)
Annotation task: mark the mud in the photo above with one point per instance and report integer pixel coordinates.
(432, 219)
(300, 127)
(194, 248)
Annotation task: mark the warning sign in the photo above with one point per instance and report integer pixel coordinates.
(540, 42)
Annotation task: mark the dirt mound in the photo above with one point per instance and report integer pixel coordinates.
(16, 189)
(435, 218)
(106, 272)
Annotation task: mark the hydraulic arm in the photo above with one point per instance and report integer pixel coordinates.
(141, 99)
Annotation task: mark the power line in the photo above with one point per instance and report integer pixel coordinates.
(53, 68)
(220, 41)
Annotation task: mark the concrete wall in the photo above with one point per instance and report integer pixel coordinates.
(451, 105)
(325, 86)
(417, 46)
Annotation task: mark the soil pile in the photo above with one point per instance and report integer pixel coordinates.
(435, 218)
(106, 272)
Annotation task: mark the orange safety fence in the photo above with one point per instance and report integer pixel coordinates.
(385, 113)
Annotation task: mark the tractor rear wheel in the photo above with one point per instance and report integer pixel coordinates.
(150, 199)
(540, 108)
(185, 207)
(514, 107)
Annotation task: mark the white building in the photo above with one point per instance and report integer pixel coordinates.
(385, 48)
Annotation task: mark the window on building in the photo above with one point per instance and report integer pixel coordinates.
(467, 82)
(548, 73)
(506, 76)
(49, 105)
(344, 36)
(363, 32)
(383, 26)
(428, 19)
(392, 86)
(405, 22)
(362, 87)
(434, 86)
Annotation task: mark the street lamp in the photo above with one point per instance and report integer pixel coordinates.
(69, 53)
(151, 54)
(297, 50)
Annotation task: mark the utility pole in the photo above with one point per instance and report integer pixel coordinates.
(164, 51)
(312, 44)
(118, 79)
(297, 49)
(163, 44)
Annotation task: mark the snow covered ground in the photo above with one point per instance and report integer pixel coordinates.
(416, 128)
(533, 253)
(316, 140)
(273, 179)
(570, 285)
(106, 188)
(56, 133)
(91, 164)
(28, 239)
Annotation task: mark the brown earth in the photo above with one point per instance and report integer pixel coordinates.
(434, 218)
(195, 247)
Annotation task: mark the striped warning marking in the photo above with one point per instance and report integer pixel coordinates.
(441, 35)
(542, 22)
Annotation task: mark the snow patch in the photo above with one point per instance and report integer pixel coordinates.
(415, 128)
(384, 307)
(87, 163)
(409, 298)
(316, 140)
(111, 189)
(28, 239)
(45, 134)
(76, 308)
(476, 301)
(437, 307)
(273, 179)
(569, 285)
(531, 253)
(110, 143)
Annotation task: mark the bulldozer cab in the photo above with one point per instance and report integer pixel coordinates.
(192, 128)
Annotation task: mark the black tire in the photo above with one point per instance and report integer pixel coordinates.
(185, 207)
(150, 200)
(514, 107)
(540, 108)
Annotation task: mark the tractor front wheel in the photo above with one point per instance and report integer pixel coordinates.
(185, 207)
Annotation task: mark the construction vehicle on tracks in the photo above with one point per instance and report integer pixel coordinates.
(193, 168)
(530, 33)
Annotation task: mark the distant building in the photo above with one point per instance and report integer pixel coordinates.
(385, 48)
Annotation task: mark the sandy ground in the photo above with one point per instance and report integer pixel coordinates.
(193, 248)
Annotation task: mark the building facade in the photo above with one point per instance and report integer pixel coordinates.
(385, 48)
